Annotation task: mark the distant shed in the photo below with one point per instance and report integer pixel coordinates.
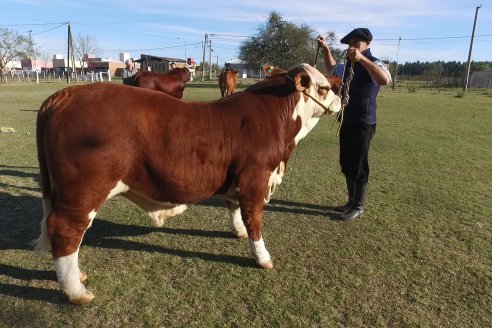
(481, 79)
(159, 64)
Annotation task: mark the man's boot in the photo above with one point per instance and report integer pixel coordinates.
(350, 192)
(357, 208)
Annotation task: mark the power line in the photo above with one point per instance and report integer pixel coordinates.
(31, 24)
(63, 24)
(436, 38)
(161, 48)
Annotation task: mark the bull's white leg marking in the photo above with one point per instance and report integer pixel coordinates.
(42, 243)
(260, 252)
(281, 172)
(236, 223)
(91, 215)
(68, 274)
(272, 185)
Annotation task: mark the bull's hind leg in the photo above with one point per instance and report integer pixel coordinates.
(65, 232)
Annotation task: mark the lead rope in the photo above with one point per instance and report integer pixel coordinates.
(345, 97)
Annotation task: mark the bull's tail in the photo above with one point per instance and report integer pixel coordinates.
(42, 243)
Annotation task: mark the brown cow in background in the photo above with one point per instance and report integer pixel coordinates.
(227, 81)
(172, 82)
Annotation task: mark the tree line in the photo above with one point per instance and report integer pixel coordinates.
(441, 73)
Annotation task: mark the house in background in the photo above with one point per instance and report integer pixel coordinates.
(60, 64)
(39, 65)
(163, 64)
(245, 70)
(115, 67)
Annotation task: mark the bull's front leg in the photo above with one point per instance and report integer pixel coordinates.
(251, 195)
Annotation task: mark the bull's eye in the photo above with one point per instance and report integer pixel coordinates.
(323, 91)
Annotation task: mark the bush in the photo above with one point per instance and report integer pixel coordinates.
(460, 94)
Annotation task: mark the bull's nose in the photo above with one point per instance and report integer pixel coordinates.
(336, 105)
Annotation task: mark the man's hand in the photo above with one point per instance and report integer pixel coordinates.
(322, 42)
(354, 55)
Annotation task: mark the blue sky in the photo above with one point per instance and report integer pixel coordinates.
(430, 30)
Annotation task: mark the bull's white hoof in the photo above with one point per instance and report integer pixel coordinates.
(84, 299)
(266, 265)
(82, 276)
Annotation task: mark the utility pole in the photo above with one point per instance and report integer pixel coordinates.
(69, 42)
(203, 61)
(396, 68)
(31, 50)
(210, 61)
(465, 88)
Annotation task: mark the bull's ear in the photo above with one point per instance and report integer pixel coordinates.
(302, 81)
(272, 70)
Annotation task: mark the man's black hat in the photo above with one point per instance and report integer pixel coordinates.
(360, 33)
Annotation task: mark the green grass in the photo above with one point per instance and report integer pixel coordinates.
(421, 257)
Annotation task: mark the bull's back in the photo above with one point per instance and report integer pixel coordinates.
(161, 82)
(149, 140)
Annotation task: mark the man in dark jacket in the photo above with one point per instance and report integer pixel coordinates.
(359, 120)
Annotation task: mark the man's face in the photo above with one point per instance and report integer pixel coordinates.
(358, 44)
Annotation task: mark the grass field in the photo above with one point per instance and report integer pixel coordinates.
(421, 257)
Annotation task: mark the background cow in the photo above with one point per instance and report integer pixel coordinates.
(227, 81)
(172, 82)
(100, 140)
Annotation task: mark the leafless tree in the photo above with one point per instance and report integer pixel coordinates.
(45, 57)
(84, 46)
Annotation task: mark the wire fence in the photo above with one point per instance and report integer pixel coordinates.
(27, 76)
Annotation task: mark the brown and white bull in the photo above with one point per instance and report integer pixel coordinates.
(101, 140)
(228, 81)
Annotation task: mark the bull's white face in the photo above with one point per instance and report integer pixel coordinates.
(308, 110)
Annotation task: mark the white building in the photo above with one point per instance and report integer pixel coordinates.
(244, 69)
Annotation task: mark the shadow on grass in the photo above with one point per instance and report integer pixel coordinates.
(127, 245)
(17, 171)
(287, 206)
(104, 234)
(284, 206)
(26, 274)
(33, 293)
(19, 223)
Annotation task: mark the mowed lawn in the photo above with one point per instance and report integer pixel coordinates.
(421, 256)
